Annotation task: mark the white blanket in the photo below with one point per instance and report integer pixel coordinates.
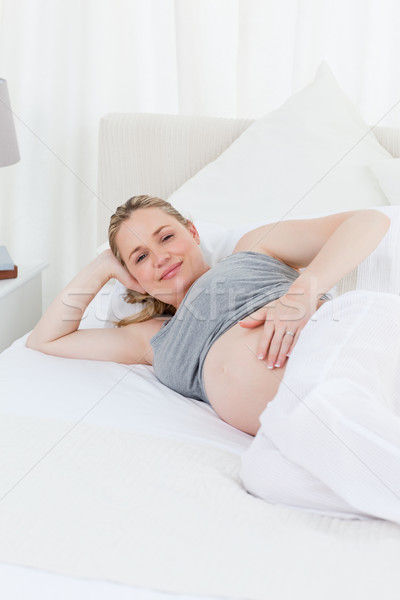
(330, 439)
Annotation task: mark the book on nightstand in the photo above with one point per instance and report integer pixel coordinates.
(7, 268)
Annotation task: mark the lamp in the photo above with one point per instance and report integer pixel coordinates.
(8, 140)
(9, 155)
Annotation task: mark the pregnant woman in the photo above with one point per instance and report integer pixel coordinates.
(222, 335)
(203, 351)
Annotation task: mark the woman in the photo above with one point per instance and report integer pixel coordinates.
(214, 348)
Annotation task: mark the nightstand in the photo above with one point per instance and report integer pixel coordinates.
(20, 302)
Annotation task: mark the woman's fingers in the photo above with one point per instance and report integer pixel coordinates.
(279, 334)
(122, 274)
(281, 350)
(282, 326)
(296, 337)
(278, 349)
(285, 347)
(272, 344)
(256, 319)
(275, 345)
(265, 339)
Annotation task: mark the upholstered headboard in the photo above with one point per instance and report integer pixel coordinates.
(156, 154)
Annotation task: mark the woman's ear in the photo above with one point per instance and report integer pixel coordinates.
(194, 232)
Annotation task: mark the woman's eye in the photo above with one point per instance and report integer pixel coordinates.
(140, 258)
(166, 237)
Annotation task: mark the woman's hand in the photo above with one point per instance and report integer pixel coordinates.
(113, 269)
(283, 320)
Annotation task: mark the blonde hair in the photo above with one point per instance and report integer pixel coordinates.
(152, 306)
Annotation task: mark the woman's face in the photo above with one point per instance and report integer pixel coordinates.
(161, 254)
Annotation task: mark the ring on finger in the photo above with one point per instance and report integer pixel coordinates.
(290, 333)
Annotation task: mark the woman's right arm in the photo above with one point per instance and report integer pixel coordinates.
(57, 331)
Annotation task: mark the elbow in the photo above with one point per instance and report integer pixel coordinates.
(378, 216)
(29, 344)
(387, 221)
(33, 344)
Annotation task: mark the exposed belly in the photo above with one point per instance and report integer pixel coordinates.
(238, 384)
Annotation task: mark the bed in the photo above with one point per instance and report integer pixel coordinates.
(113, 486)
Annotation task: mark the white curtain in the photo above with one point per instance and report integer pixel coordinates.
(68, 62)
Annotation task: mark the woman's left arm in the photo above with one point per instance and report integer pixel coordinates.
(327, 249)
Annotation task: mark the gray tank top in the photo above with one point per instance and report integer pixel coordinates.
(230, 291)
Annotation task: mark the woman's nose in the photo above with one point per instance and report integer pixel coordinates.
(160, 258)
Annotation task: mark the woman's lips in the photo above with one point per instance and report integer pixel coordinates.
(171, 271)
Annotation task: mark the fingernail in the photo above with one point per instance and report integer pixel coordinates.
(270, 366)
(260, 357)
(278, 364)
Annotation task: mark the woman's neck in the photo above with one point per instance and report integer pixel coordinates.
(181, 294)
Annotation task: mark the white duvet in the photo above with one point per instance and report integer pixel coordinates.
(108, 475)
(330, 439)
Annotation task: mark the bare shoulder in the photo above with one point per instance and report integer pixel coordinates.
(254, 240)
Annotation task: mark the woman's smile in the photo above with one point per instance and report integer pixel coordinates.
(171, 271)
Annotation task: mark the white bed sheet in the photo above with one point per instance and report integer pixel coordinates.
(23, 583)
(107, 395)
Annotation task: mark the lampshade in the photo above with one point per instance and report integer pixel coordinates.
(9, 153)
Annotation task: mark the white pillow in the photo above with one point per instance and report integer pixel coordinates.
(387, 173)
(311, 155)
